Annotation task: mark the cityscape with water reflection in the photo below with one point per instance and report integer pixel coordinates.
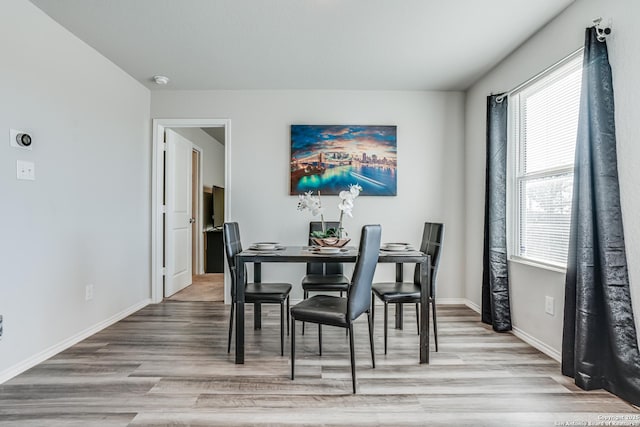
(330, 158)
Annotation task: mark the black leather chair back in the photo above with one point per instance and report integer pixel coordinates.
(232, 246)
(321, 267)
(432, 238)
(359, 299)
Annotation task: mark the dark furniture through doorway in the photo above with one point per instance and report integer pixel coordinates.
(214, 252)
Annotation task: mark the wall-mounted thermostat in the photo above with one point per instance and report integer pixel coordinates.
(20, 139)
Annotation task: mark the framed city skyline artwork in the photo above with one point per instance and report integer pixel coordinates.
(328, 158)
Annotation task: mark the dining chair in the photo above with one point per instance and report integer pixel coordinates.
(257, 293)
(409, 292)
(339, 311)
(321, 276)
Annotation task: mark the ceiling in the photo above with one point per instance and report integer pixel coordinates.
(305, 44)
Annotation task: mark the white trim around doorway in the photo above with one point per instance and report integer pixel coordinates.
(200, 241)
(157, 187)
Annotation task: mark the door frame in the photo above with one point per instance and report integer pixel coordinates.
(199, 242)
(157, 189)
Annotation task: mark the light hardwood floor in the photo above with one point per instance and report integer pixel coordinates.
(168, 365)
(204, 287)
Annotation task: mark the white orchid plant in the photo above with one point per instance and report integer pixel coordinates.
(313, 204)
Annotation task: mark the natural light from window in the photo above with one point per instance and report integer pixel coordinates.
(544, 122)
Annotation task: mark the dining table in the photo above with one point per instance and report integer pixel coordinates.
(307, 254)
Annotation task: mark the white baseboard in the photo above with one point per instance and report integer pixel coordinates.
(537, 344)
(451, 301)
(29, 363)
(473, 306)
(529, 339)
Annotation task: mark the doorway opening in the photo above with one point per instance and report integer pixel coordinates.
(190, 180)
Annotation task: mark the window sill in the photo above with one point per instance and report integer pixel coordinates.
(538, 264)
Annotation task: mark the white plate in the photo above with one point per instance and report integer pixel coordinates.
(275, 248)
(396, 246)
(328, 250)
(265, 246)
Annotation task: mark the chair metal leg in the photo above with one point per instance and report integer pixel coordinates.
(230, 327)
(305, 296)
(418, 317)
(435, 324)
(373, 310)
(282, 328)
(346, 331)
(386, 323)
(288, 309)
(293, 347)
(353, 358)
(373, 354)
(320, 338)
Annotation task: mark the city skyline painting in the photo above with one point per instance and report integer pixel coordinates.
(328, 158)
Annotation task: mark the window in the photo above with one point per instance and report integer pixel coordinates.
(544, 123)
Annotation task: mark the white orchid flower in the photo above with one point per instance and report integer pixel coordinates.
(303, 201)
(345, 195)
(355, 190)
(346, 205)
(311, 203)
(316, 208)
(308, 201)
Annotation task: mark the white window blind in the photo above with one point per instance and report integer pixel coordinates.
(544, 122)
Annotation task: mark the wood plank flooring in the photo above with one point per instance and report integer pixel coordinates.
(204, 287)
(167, 365)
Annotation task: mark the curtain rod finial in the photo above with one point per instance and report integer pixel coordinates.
(601, 32)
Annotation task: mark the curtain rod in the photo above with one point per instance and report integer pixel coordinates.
(572, 55)
(601, 34)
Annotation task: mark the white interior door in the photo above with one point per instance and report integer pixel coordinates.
(179, 220)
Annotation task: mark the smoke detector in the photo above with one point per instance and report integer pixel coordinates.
(161, 80)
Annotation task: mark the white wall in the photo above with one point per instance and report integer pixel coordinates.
(86, 217)
(562, 36)
(430, 165)
(212, 155)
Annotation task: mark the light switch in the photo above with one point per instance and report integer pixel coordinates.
(26, 170)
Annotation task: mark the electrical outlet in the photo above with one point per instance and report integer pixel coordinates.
(549, 306)
(88, 292)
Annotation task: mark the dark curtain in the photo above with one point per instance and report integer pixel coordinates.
(496, 310)
(599, 345)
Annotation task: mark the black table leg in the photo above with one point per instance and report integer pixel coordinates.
(257, 308)
(425, 286)
(240, 311)
(399, 278)
(257, 316)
